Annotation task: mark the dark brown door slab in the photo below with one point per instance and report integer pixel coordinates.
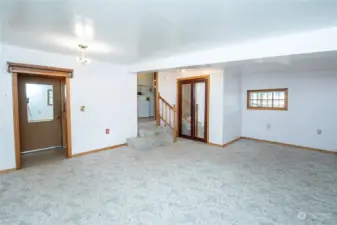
(40, 112)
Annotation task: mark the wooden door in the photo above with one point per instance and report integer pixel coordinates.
(40, 112)
(192, 97)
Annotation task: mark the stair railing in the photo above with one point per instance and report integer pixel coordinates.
(168, 114)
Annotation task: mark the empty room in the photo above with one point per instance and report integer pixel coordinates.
(168, 112)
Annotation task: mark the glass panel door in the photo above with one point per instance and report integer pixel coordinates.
(199, 109)
(186, 109)
(193, 109)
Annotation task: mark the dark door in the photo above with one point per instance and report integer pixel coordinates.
(39, 112)
(193, 109)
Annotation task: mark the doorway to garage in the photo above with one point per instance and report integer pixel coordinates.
(41, 112)
(41, 116)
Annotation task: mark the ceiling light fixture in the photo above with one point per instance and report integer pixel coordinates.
(82, 59)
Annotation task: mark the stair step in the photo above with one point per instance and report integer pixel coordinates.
(150, 131)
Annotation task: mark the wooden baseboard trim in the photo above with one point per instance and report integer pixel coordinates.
(224, 145)
(7, 171)
(213, 144)
(290, 145)
(231, 142)
(98, 150)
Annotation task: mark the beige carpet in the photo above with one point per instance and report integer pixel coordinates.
(190, 183)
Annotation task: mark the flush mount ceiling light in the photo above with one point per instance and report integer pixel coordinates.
(82, 59)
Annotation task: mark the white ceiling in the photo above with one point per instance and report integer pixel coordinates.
(293, 63)
(129, 31)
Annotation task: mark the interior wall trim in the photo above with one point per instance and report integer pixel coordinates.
(214, 144)
(39, 70)
(231, 142)
(99, 150)
(291, 145)
(7, 171)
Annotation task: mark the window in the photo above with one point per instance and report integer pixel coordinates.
(271, 99)
(39, 102)
(50, 96)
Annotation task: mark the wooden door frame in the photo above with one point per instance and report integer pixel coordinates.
(16, 69)
(204, 77)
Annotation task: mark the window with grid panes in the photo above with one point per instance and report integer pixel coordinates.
(271, 99)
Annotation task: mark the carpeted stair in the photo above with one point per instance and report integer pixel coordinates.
(151, 136)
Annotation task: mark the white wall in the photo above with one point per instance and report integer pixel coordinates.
(232, 106)
(312, 106)
(167, 88)
(108, 92)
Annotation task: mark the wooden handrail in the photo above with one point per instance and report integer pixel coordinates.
(164, 113)
(168, 104)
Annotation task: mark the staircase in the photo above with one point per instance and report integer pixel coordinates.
(151, 136)
(157, 133)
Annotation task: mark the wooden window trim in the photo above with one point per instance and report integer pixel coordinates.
(285, 90)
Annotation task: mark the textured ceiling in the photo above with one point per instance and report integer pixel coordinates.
(129, 31)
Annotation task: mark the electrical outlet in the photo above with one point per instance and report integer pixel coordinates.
(319, 131)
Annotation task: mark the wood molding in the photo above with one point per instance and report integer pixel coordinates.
(63, 113)
(7, 171)
(168, 104)
(204, 76)
(16, 123)
(39, 70)
(225, 145)
(68, 119)
(231, 142)
(213, 144)
(277, 143)
(18, 69)
(98, 150)
(291, 145)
